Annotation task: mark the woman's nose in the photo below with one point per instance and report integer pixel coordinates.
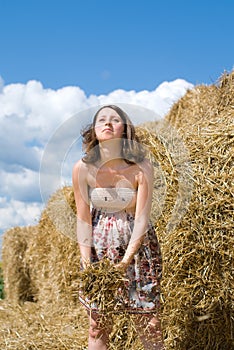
(108, 123)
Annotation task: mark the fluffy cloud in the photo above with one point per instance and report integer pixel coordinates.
(44, 124)
(14, 212)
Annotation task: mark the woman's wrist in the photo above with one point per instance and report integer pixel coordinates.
(122, 266)
(126, 261)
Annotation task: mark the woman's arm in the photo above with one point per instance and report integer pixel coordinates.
(84, 224)
(142, 214)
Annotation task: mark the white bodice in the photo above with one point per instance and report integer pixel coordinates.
(113, 199)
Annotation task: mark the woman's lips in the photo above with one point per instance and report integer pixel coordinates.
(107, 129)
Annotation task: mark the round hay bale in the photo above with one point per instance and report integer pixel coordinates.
(18, 284)
(198, 255)
(195, 105)
(226, 92)
(53, 256)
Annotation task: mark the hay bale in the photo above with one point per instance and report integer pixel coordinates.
(226, 93)
(198, 280)
(53, 256)
(194, 106)
(54, 327)
(18, 284)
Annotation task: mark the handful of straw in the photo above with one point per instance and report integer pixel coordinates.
(103, 285)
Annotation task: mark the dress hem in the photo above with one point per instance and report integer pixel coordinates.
(120, 310)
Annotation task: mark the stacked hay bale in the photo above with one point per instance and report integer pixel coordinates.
(41, 264)
(53, 256)
(52, 327)
(198, 255)
(18, 282)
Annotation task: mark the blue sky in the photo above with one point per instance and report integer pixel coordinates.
(102, 45)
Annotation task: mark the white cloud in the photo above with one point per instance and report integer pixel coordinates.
(21, 185)
(16, 213)
(32, 118)
(158, 100)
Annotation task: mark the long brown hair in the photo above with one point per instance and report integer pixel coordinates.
(132, 150)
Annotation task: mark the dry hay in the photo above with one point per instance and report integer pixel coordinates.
(46, 259)
(101, 284)
(124, 333)
(18, 284)
(195, 105)
(198, 283)
(192, 151)
(56, 327)
(31, 327)
(53, 255)
(103, 288)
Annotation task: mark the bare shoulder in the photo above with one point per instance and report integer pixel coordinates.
(146, 167)
(146, 172)
(80, 170)
(80, 166)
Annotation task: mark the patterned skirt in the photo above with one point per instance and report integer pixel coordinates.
(111, 235)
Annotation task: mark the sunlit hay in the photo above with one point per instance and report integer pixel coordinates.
(226, 93)
(103, 286)
(194, 106)
(124, 333)
(61, 210)
(173, 182)
(18, 283)
(54, 256)
(101, 283)
(160, 164)
(198, 268)
(54, 327)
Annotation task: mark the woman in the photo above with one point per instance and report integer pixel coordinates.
(113, 185)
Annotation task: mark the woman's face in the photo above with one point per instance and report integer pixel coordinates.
(108, 125)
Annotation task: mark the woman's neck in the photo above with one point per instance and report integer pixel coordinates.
(110, 153)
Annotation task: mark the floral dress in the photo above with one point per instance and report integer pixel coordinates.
(112, 224)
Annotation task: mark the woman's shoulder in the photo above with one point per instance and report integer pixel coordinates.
(80, 168)
(145, 171)
(80, 164)
(146, 165)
